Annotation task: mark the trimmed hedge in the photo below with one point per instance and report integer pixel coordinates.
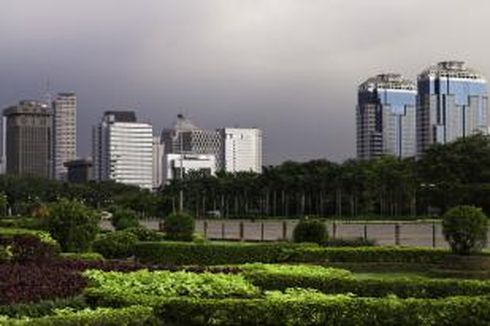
(330, 280)
(181, 253)
(135, 315)
(321, 310)
(42, 308)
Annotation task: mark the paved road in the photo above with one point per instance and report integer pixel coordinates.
(410, 233)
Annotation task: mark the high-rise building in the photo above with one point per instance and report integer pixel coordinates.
(29, 139)
(123, 149)
(177, 165)
(79, 171)
(452, 102)
(241, 149)
(158, 152)
(386, 117)
(64, 133)
(187, 138)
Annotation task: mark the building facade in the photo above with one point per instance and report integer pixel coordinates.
(241, 149)
(64, 133)
(123, 149)
(79, 171)
(386, 117)
(452, 102)
(158, 152)
(28, 140)
(178, 165)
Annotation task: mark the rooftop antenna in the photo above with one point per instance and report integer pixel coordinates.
(48, 97)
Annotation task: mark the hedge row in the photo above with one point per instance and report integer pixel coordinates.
(180, 253)
(135, 315)
(270, 277)
(328, 310)
(42, 308)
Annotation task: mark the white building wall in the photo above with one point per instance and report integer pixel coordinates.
(158, 149)
(189, 162)
(64, 133)
(242, 149)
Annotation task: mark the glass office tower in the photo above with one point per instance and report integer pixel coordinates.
(452, 102)
(386, 117)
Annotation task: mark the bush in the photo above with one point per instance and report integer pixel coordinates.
(123, 218)
(331, 281)
(179, 227)
(465, 229)
(143, 234)
(27, 248)
(135, 315)
(356, 242)
(23, 223)
(73, 225)
(310, 231)
(83, 256)
(117, 244)
(183, 253)
(303, 308)
(41, 308)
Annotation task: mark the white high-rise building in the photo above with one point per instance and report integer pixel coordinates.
(158, 149)
(173, 164)
(64, 133)
(123, 149)
(241, 149)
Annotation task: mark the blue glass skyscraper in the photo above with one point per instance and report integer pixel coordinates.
(386, 117)
(452, 102)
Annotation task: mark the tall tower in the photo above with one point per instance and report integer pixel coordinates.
(386, 117)
(64, 133)
(452, 102)
(29, 139)
(241, 150)
(123, 149)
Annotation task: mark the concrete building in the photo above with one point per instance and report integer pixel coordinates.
(123, 149)
(158, 152)
(79, 171)
(452, 102)
(64, 133)
(29, 139)
(241, 149)
(385, 115)
(185, 137)
(173, 164)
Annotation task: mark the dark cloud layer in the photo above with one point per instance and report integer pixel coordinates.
(289, 67)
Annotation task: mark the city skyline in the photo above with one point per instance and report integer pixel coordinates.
(280, 66)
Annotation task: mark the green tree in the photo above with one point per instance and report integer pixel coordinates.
(179, 227)
(73, 225)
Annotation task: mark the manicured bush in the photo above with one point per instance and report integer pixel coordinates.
(27, 248)
(330, 280)
(144, 234)
(304, 308)
(118, 244)
(135, 315)
(355, 242)
(73, 225)
(82, 256)
(465, 229)
(123, 218)
(179, 226)
(41, 308)
(182, 253)
(310, 231)
(23, 223)
(147, 286)
(42, 235)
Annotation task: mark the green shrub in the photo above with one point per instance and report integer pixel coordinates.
(42, 308)
(182, 253)
(144, 234)
(302, 308)
(83, 256)
(117, 288)
(135, 315)
(331, 281)
(123, 218)
(355, 242)
(314, 231)
(179, 226)
(23, 223)
(117, 244)
(73, 225)
(465, 229)
(42, 235)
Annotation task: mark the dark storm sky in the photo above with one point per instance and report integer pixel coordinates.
(290, 67)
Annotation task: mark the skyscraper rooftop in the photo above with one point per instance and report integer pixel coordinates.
(387, 81)
(451, 69)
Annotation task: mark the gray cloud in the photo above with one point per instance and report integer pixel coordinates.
(290, 67)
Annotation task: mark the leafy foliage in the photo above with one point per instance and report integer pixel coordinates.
(310, 231)
(146, 286)
(465, 228)
(42, 308)
(144, 234)
(118, 244)
(123, 218)
(28, 248)
(179, 227)
(73, 225)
